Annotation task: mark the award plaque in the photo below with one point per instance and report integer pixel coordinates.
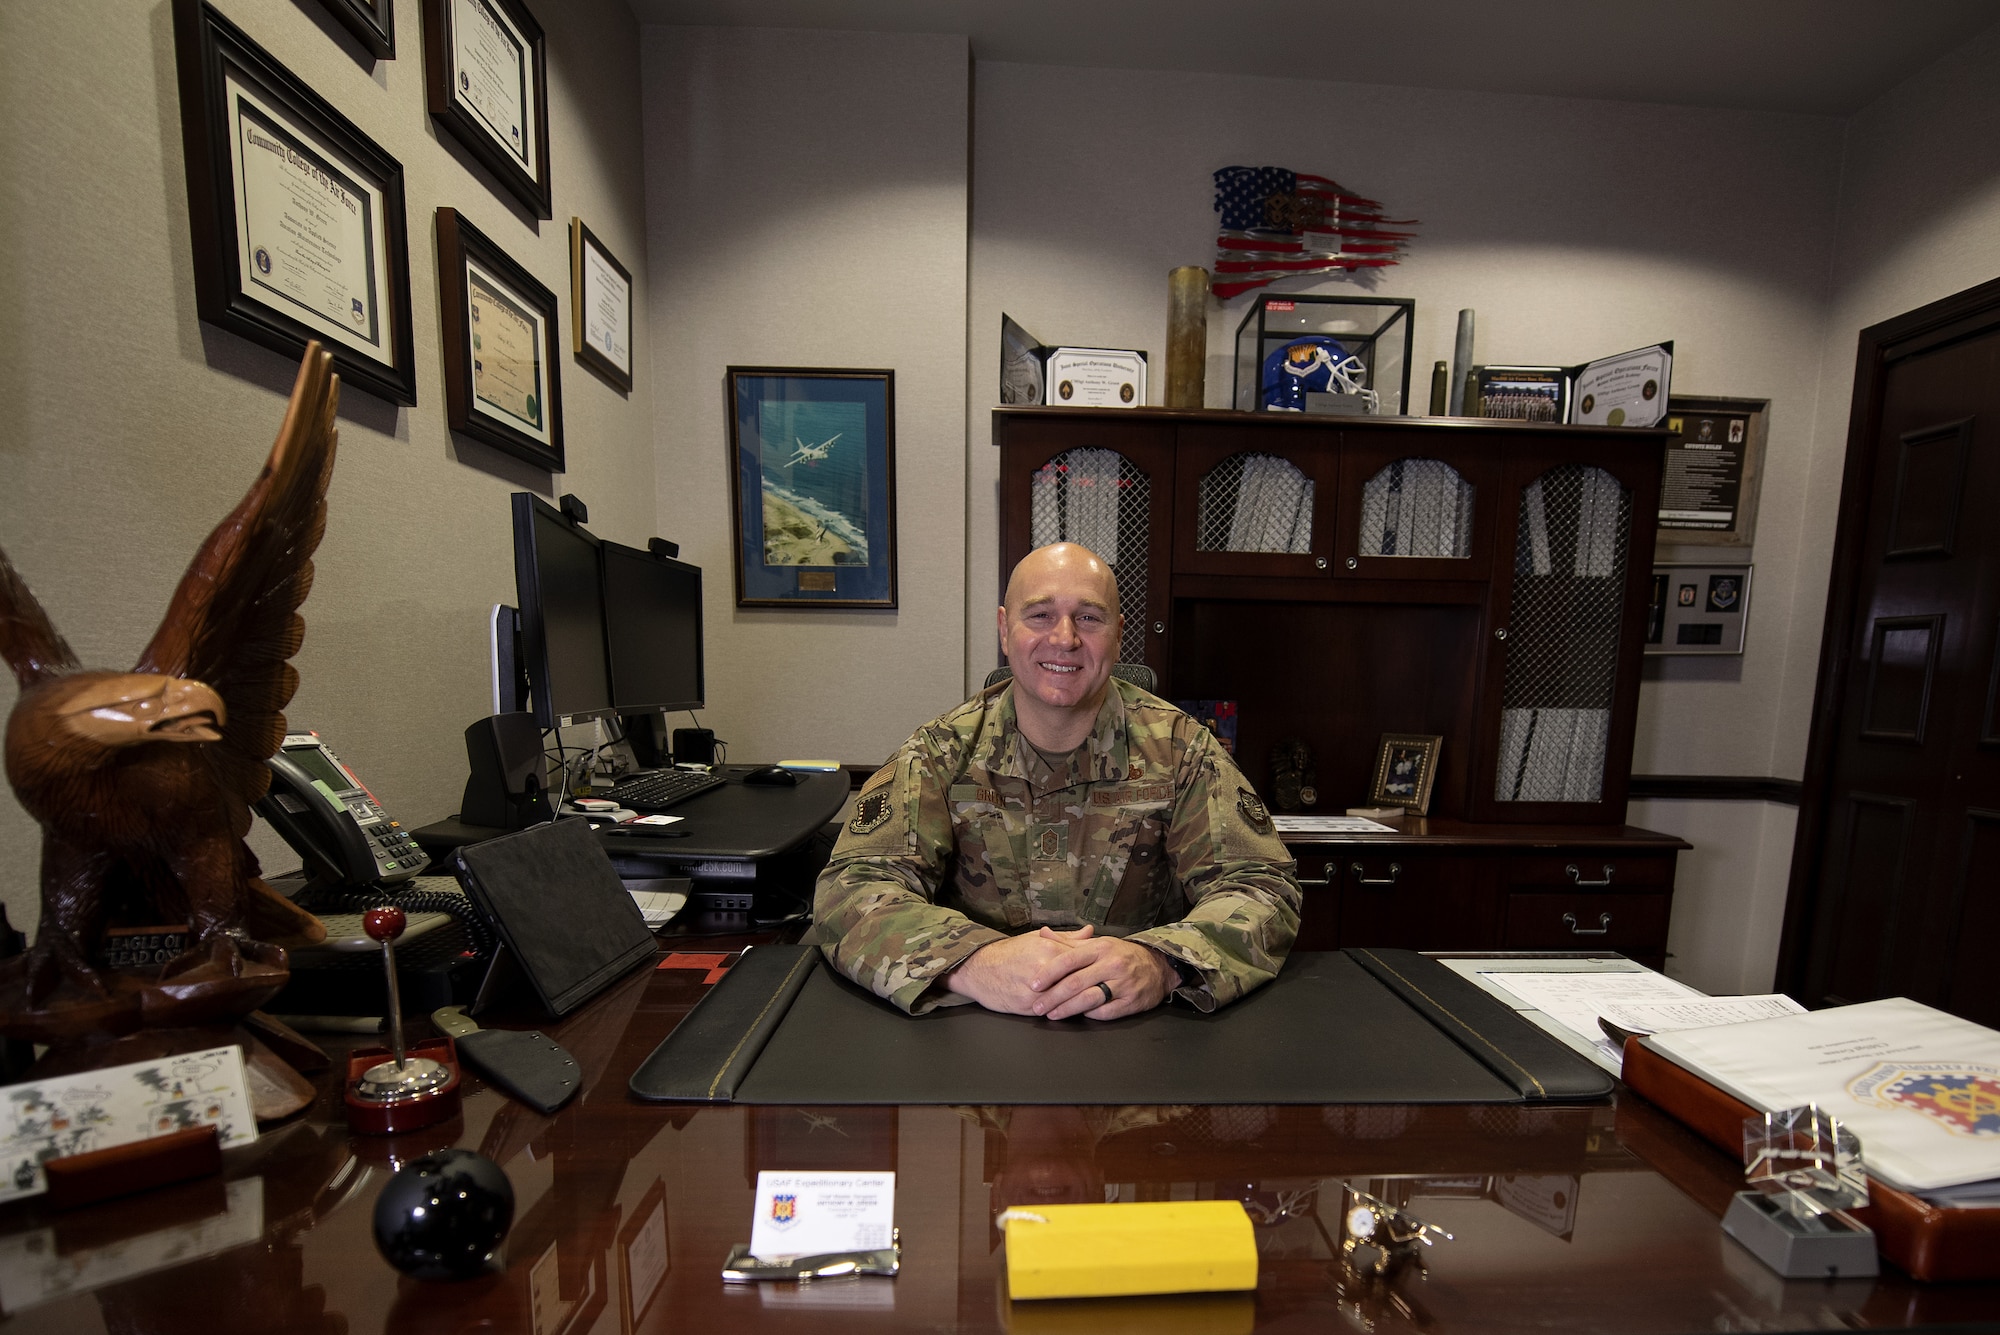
(600, 306)
(501, 379)
(486, 80)
(296, 216)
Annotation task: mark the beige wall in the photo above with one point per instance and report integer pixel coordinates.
(132, 428)
(806, 199)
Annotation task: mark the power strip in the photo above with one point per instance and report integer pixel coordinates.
(708, 900)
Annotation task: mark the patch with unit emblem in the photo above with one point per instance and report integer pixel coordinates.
(1253, 810)
(870, 811)
(1049, 843)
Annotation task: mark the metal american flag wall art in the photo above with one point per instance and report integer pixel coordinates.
(1278, 223)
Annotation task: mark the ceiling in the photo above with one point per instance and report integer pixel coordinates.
(1824, 57)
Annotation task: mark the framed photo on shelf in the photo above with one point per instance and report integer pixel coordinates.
(487, 81)
(812, 468)
(296, 216)
(373, 23)
(502, 378)
(600, 303)
(1405, 769)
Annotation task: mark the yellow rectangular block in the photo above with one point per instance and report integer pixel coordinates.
(1101, 1251)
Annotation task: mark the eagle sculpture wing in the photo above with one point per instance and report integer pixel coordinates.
(28, 639)
(234, 623)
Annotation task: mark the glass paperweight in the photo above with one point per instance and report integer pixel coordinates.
(1806, 1173)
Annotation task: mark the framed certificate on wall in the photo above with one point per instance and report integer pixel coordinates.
(600, 303)
(296, 216)
(373, 23)
(502, 383)
(487, 81)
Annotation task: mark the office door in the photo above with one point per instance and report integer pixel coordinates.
(1895, 887)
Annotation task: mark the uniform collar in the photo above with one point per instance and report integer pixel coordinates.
(1012, 755)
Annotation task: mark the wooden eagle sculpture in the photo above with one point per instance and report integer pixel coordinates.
(142, 781)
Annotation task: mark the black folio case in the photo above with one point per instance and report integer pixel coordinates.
(563, 918)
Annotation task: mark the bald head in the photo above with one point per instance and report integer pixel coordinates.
(1066, 565)
(1060, 630)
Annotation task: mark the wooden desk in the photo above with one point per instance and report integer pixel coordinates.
(1567, 1219)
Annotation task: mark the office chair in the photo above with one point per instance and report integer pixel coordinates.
(1137, 673)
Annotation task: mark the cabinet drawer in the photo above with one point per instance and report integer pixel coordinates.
(1629, 924)
(1592, 873)
(1415, 902)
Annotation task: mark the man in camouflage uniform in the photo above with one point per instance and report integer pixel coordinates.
(1062, 844)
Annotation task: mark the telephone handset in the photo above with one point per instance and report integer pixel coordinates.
(333, 821)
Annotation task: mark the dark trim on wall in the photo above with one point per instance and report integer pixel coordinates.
(1717, 788)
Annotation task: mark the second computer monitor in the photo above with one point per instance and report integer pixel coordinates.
(556, 574)
(652, 620)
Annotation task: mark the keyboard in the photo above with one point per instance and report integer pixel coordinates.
(662, 788)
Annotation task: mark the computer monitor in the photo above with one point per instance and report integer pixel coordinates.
(557, 579)
(652, 619)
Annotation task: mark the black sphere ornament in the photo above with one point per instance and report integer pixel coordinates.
(444, 1215)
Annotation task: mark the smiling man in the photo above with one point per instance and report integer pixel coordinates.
(1064, 844)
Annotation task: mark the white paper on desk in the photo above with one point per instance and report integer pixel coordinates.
(1575, 1000)
(1660, 1017)
(1919, 1087)
(655, 819)
(95, 1110)
(809, 1214)
(1330, 825)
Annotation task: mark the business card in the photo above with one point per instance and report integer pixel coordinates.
(810, 1214)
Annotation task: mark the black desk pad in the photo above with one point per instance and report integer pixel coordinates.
(1354, 1027)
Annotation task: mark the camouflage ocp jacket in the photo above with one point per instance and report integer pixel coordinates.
(1147, 831)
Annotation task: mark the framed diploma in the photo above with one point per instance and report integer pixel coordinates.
(501, 379)
(486, 78)
(296, 216)
(373, 23)
(812, 469)
(600, 303)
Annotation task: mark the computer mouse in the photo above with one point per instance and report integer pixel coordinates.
(772, 775)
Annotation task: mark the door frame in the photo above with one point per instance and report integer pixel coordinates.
(1960, 316)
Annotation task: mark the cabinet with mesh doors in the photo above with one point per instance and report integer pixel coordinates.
(1344, 578)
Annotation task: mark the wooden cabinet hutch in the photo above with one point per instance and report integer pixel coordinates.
(1342, 578)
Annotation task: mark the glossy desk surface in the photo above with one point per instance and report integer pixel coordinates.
(1599, 1218)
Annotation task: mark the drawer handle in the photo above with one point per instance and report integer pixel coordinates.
(1395, 870)
(1326, 876)
(1603, 925)
(1577, 876)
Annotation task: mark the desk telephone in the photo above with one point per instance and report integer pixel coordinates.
(333, 821)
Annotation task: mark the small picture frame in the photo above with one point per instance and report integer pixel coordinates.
(1714, 470)
(373, 23)
(600, 303)
(502, 377)
(812, 468)
(1405, 769)
(295, 215)
(486, 80)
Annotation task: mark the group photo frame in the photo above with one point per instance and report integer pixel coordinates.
(296, 217)
(502, 363)
(486, 80)
(812, 468)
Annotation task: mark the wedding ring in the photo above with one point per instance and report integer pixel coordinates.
(1105, 988)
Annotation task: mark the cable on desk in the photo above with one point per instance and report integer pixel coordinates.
(333, 900)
